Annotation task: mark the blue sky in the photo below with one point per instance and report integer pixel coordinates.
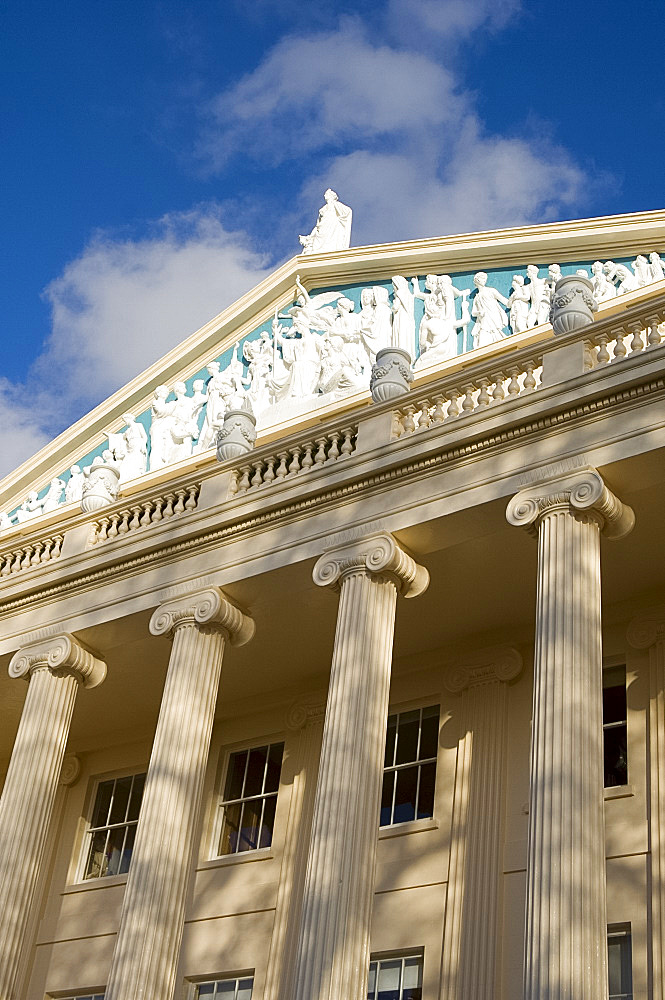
(159, 158)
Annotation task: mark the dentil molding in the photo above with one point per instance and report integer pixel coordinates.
(61, 653)
(496, 663)
(208, 608)
(377, 554)
(582, 490)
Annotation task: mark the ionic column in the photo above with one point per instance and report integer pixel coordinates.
(647, 631)
(565, 943)
(473, 900)
(306, 717)
(145, 959)
(54, 669)
(333, 955)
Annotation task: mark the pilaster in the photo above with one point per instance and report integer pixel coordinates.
(54, 669)
(647, 631)
(333, 954)
(565, 943)
(146, 954)
(472, 923)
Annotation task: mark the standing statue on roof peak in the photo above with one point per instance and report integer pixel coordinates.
(333, 227)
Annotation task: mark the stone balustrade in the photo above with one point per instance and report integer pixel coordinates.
(146, 512)
(313, 453)
(624, 338)
(30, 554)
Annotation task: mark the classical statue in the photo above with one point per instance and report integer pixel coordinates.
(656, 267)
(135, 462)
(5, 522)
(54, 495)
(404, 323)
(642, 270)
(160, 433)
(222, 387)
(260, 355)
(620, 276)
(374, 323)
(437, 334)
(490, 319)
(74, 485)
(182, 421)
(31, 507)
(539, 308)
(333, 227)
(518, 304)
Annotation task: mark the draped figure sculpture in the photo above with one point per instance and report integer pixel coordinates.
(487, 312)
(404, 322)
(333, 227)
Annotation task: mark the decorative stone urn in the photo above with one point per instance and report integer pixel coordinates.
(573, 304)
(391, 375)
(237, 435)
(100, 488)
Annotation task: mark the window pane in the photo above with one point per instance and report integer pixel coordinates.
(407, 737)
(387, 798)
(619, 964)
(614, 695)
(96, 864)
(249, 826)
(255, 771)
(429, 733)
(405, 795)
(102, 803)
(391, 732)
(389, 980)
(205, 990)
(229, 839)
(127, 850)
(371, 981)
(616, 757)
(114, 849)
(426, 792)
(245, 989)
(120, 800)
(226, 988)
(274, 767)
(412, 979)
(268, 824)
(137, 795)
(235, 776)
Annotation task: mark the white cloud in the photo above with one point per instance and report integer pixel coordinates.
(117, 308)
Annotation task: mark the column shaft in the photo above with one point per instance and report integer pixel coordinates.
(333, 958)
(565, 953)
(146, 955)
(27, 804)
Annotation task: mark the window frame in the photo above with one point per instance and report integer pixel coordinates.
(423, 822)
(213, 857)
(618, 791)
(79, 880)
(624, 931)
(403, 956)
(193, 984)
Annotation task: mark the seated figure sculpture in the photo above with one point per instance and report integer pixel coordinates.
(333, 227)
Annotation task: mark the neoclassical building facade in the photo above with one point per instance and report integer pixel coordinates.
(330, 677)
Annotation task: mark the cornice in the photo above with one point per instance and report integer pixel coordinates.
(60, 654)
(581, 490)
(377, 554)
(486, 666)
(400, 472)
(208, 609)
(647, 628)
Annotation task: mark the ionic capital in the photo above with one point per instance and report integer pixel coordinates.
(647, 629)
(582, 490)
(60, 654)
(377, 554)
(305, 711)
(207, 609)
(496, 663)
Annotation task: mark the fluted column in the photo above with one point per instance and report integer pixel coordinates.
(333, 954)
(647, 631)
(307, 718)
(145, 958)
(473, 901)
(565, 943)
(54, 669)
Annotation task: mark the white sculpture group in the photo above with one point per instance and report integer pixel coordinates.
(321, 348)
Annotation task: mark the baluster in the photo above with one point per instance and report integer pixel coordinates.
(308, 460)
(498, 392)
(603, 355)
(408, 423)
(135, 520)
(47, 550)
(37, 552)
(589, 355)
(27, 556)
(620, 346)
(123, 526)
(168, 505)
(514, 384)
(233, 485)
(145, 518)
(102, 530)
(636, 344)
(57, 545)
(16, 564)
(483, 395)
(257, 478)
(530, 378)
(243, 484)
(192, 497)
(468, 403)
(294, 464)
(180, 505)
(424, 420)
(269, 474)
(113, 529)
(320, 456)
(454, 405)
(333, 450)
(438, 414)
(347, 444)
(398, 424)
(653, 340)
(281, 468)
(6, 564)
